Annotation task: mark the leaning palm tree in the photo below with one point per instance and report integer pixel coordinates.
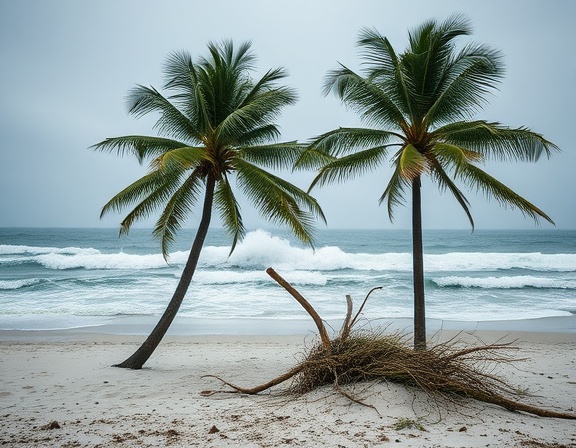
(216, 126)
(419, 107)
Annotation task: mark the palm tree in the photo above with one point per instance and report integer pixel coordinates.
(217, 125)
(419, 107)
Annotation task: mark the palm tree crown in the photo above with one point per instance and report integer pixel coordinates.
(217, 123)
(420, 104)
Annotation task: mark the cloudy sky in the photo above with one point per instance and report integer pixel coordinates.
(67, 66)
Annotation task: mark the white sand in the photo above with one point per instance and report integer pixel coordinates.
(67, 378)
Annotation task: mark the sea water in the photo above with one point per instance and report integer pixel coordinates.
(67, 278)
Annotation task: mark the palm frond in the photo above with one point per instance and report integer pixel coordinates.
(266, 83)
(176, 211)
(224, 80)
(225, 54)
(312, 159)
(229, 209)
(185, 158)
(350, 166)
(377, 52)
(495, 141)
(258, 135)
(492, 188)
(152, 191)
(384, 70)
(455, 155)
(139, 145)
(276, 155)
(258, 111)
(411, 164)
(343, 141)
(465, 83)
(144, 100)
(445, 183)
(155, 181)
(183, 80)
(394, 192)
(374, 105)
(180, 73)
(424, 62)
(279, 200)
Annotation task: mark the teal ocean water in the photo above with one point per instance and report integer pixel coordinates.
(69, 278)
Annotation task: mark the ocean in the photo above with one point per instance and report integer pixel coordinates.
(86, 278)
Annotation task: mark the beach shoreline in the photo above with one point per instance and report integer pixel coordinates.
(66, 377)
(191, 326)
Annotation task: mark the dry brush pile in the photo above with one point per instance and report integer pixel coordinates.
(355, 356)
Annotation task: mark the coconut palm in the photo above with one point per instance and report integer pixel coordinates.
(418, 106)
(216, 126)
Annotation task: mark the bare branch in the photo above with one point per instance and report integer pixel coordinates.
(305, 304)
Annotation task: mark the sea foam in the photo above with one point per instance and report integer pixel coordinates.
(260, 250)
(105, 279)
(506, 282)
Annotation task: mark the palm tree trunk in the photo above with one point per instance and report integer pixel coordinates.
(140, 356)
(418, 268)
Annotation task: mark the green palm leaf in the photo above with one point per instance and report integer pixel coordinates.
(262, 108)
(411, 163)
(229, 212)
(140, 146)
(177, 208)
(312, 159)
(384, 69)
(156, 185)
(278, 199)
(186, 158)
(264, 84)
(258, 135)
(495, 141)
(276, 156)
(183, 80)
(454, 155)
(343, 141)
(373, 104)
(350, 166)
(394, 192)
(172, 122)
(445, 183)
(492, 188)
(465, 83)
(430, 48)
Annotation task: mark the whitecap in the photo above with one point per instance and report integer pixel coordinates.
(224, 277)
(506, 282)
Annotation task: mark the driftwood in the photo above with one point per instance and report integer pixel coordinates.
(355, 356)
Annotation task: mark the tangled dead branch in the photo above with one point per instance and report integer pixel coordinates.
(355, 356)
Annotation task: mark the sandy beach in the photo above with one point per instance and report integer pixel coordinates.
(58, 389)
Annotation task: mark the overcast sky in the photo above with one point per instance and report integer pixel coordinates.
(66, 66)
